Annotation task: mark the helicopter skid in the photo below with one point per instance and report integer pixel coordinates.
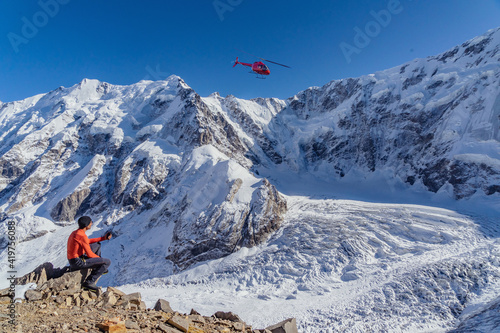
(258, 76)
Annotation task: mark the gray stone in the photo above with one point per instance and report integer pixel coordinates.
(286, 326)
(109, 299)
(132, 325)
(134, 298)
(67, 208)
(167, 329)
(162, 305)
(180, 322)
(71, 280)
(59, 299)
(5, 292)
(115, 291)
(227, 316)
(197, 318)
(71, 291)
(239, 326)
(33, 295)
(124, 304)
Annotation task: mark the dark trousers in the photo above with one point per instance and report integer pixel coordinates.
(98, 265)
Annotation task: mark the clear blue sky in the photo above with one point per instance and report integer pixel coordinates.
(50, 43)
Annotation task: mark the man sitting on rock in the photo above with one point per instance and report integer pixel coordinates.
(86, 253)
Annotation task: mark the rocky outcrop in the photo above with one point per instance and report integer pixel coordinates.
(66, 209)
(42, 274)
(60, 304)
(256, 127)
(265, 216)
(226, 228)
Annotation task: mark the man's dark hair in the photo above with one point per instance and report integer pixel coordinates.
(84, 221)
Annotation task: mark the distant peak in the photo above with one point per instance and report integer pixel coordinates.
(174, 77)
(89, 81)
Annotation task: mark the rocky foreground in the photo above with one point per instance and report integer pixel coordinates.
(59, 304)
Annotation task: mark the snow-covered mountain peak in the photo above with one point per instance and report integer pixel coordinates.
(90, 82)
(481, 50)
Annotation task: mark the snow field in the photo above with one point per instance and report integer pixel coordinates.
(341, 265)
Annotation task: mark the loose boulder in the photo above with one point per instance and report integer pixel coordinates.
(227, 316)
(162, 305)
(286, 326)
(33, 295)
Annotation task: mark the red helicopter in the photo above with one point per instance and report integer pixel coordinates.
(259, 67)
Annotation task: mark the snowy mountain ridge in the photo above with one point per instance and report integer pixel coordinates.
(206, 194)
(424, 121)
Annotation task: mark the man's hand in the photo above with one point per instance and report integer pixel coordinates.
(108, 235)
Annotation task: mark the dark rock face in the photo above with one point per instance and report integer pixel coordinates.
(220, 233)
(265, 216)
(261, 134)
(66, 209)
(486, 178)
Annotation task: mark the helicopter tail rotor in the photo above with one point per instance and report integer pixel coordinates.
(236, 62)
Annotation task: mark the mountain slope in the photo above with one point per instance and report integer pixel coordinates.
(431, 122)
(115, 152)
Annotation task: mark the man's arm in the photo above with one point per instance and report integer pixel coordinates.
(95, 240)
(85, 243)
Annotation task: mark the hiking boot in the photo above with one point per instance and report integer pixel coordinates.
(90, 286)
(106, 272)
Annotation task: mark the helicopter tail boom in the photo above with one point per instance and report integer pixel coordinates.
(236, 62)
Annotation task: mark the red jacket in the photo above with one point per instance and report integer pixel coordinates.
(79, 244)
